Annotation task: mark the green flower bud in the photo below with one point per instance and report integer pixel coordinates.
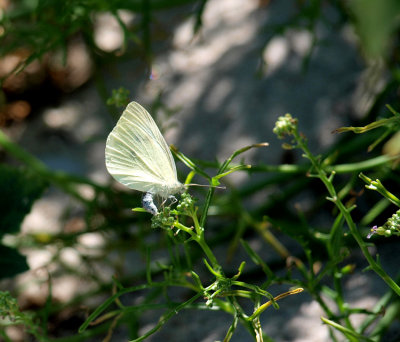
(285, 125)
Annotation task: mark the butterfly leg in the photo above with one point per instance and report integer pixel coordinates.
(172, 198)
(148, 203)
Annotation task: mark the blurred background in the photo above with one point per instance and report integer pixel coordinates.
(216, 75)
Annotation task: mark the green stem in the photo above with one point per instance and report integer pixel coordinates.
(188, 230)
(207, 251)
(346, 214)
(215, 181)
(59, 178)
(199, 229)
(164, 318)
(263, 307)
(350, 334)
(378, 186)
(339, 298)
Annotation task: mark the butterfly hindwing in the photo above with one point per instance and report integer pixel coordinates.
(137, 154)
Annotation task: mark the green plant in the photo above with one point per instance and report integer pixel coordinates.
(182, 253)
(19, 189)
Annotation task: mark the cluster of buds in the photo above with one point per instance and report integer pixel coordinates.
(286, 125)
(185, 204)
(164, 219)
(168, 216)
(391, 227)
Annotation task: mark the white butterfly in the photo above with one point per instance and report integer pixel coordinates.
(138, 157)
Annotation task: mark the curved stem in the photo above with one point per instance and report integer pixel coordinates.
(346, 214)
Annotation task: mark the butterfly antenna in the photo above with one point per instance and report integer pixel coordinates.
(206, 186)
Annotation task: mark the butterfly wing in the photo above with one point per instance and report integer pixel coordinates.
(138, 156)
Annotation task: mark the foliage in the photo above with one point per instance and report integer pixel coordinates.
(19, 189)
(224, 291)
(179, 253)
(10, 311)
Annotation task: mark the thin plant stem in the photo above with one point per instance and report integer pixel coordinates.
(346, 214)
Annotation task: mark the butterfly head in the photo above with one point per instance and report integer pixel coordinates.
(167, 190)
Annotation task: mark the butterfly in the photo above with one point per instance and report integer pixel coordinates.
(138, 156)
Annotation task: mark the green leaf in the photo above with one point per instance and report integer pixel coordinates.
(11, 262)
(19, 189)
(376, 23)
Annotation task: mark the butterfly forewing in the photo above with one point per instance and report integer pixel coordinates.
(137, 154)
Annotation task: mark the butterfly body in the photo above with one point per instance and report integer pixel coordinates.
(148, 203)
